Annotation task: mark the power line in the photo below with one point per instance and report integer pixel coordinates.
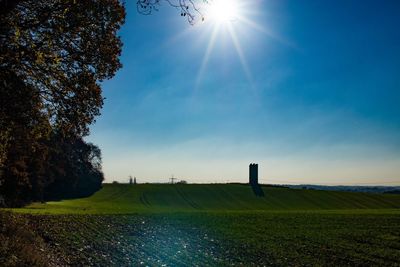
(172, 179)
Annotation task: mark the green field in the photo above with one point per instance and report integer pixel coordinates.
(218, 225)
(145, 198)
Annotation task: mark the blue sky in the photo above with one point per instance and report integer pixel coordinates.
(312, 95)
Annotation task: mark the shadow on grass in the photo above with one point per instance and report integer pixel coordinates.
(257, 190)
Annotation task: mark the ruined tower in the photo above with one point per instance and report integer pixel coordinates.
(253, 174)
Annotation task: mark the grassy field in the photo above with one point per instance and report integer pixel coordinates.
(220, 225)
(145, 198)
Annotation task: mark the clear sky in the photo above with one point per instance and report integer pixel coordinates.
(308, 89)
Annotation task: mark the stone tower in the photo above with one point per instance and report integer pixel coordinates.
(253, 174)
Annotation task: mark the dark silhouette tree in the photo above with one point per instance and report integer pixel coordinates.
(23, 128)
(75, 170)
(63, 48)
(53, 54)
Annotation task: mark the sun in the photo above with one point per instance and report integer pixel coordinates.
(223, 11)
(229, 19)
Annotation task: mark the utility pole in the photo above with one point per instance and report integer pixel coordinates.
(172, 179)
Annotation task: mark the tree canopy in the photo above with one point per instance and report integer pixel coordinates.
(63, 49)
(53, 56)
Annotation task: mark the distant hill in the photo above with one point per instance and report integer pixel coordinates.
(366, 189)
(397, 192)
(123, 198)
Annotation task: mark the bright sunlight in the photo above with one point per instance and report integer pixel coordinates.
(223, 11)
(226, 15)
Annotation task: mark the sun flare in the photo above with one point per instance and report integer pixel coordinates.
(223, 11)
(229, 19)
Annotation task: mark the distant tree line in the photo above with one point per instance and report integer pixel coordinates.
(53, 56)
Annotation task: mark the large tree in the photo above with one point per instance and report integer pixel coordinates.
(75, 170)
(53, 56)
(23, 130)
(63, 49)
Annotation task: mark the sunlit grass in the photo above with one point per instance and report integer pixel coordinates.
(150, 198)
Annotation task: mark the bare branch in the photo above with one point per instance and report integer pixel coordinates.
(187, 8)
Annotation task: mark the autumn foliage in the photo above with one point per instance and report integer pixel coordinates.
(53, 56)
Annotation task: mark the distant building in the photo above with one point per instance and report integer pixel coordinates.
(134, 180)
(130, 180)
(253, 174)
